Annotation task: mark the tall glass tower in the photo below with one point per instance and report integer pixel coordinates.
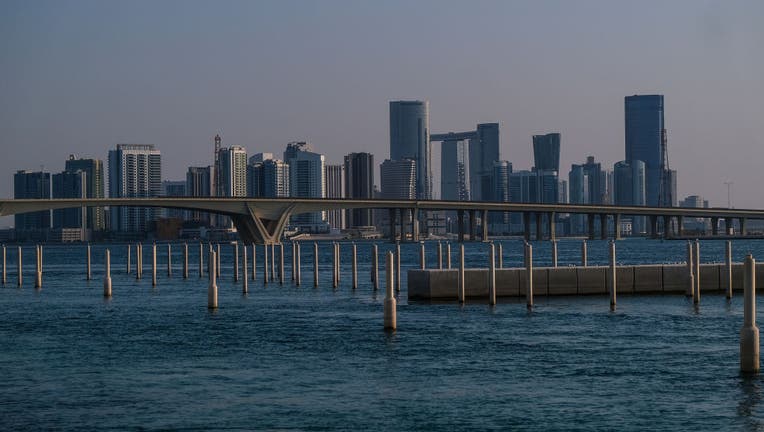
(410, 139)
(644, 134)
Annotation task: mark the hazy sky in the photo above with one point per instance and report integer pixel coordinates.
(79, 77)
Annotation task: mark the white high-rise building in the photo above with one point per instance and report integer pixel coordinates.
(335, 187)
(135, 171)
(233, 171)
(306, 180)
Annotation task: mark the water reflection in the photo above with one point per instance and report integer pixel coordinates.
(750, 386)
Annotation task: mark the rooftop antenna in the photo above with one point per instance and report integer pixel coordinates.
(664, 192)
(729, 193)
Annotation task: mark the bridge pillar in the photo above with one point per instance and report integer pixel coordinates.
(402, 222)
(473, 225)
(714, 226)
(526, 226)
(590, 222)
(680, 226)
(653, 226)
(539, 226)
(460, 223)
(484, 225)
(552, 227)
(728, 222)
(617, 226)
(666, 226)
(414, 224)
(742, 221)
(391, 216)
(603, 226)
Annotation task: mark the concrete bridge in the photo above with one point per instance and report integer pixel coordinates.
(262, 220)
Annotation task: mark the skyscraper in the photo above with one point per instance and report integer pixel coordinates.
(484, 151)
(500, 183)
(335, 188)
(306, 180)
(546, 152)
(410, 139)
(629, 188)
(94, 188)
(70, 184)
(135, 171)
(268, 178)
(174, 189)
(233, 172)
(199, 183)
(644, 135)
(398, 178)
(359, 184)
(31, 185)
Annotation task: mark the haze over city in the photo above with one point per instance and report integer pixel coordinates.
(80, 77)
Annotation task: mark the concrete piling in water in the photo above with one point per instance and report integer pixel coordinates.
(169, 260)
(612, 276)
(107, 275)
(218, 263)
(554, 253)
(690, 271)
(212, 289)
(138, 262)
(398, 267)
(201, 260)
(315, 264)
(245, 268)
(422, 262)
(529, 275)
(749, 333)
(37, 270)
(492, 275)
(273, 262)
(128, 259)
(154, 264)
(5, 271)
(584, 257)
(696, 256)
(390, 320)
(375, 266)
(281, 263)
(19, 271)
(460, 282)
(728, 267)
(87, 270)
(265, 264)
(448, 255)
(254, 261)
(294, 261)
(500, 256)
(298, 278)
(355, 268)
(339, 263)
(235, 261)
(185, 260)
(335, 278)
(440, 256)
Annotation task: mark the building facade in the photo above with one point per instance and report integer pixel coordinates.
(199, 183)
(644, 135)
(359, 184)
(306, 180)
(398, 179)
(95, 183)
(410, 139)
(32, 185)
(135, 171)
(334, 176)
(484, 151)
(629, 189)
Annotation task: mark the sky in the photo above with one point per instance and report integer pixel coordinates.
(78, 77)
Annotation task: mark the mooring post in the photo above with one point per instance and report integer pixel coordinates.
(19, 269)
(448, 256)
(128, 258)
(334, 265)
(218, 263)
(294, 261)
(749, 333)
(355, 268)
(728, 256)
(245, 269)
(169, 260)
(375, 266)
(185, 260)
(339, 264)
(440, 256)
(690, 271)
(315, 264)
(201, 260)
(297, 265)
(554, 253)
(273, 262)
(390, 303)
(254, 261)
(612, 275)
(87, 275)
(107, 275)
(265, 264)
(38, 267)
(461, 273)
(212, 289)
(492, 275)
(584, 258)
(398, 267)
(138, 262)
(235, 261)
(154, 264)
(696, 255)
(422, 263)
(500, 256)
(529, 275)
(5, 272)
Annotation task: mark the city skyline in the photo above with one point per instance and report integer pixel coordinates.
(571, 81)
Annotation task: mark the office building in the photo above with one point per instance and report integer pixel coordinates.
(95, 182)
(484, 151)
(233, 172)
(335, 188)
(135, 171)
(306, 180)
(268, 178)
(199, 183)
(629, 189)
(500, 185)
(31, 185)
(174, 189)
(644, 135)
(410, 139)
(260, 157)
(546, 152)
(398, 179)
(454, 165)
(70, 184)
(359, 184)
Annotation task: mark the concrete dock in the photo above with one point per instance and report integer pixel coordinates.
(436, 284)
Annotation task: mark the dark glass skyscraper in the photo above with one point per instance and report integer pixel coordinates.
(484, 151)
(359, 184)
(94, 188)
(32, 185)
(645, 130)
(410, 139)
(546, 152)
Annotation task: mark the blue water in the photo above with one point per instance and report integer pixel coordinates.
(286, 357)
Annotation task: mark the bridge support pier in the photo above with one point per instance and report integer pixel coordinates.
(590, 223)
(743, 230)
(729, 225)
(484, 226)
(473, 225)
(680, 226)
(539, 227)
(617, 226)
(666, 226)
(460, 223)
(714, 226)
(391, 213)
(603, 226)
(653, 226)
(552, 226)
(414, 225)
(526, 226)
